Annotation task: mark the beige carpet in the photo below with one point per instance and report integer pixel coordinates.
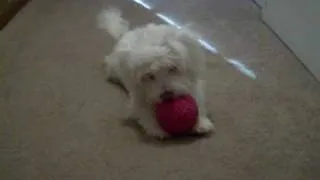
(59, 119)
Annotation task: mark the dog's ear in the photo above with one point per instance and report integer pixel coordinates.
(190, 40)
(196, 53)
(178, 48)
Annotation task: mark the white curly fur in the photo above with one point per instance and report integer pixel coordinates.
(154, 59)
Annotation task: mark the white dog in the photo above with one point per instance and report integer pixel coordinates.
(155, 62)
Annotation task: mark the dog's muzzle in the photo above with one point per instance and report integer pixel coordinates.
(167, 95)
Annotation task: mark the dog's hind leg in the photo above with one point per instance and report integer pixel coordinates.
(111, 75)
(117, 82)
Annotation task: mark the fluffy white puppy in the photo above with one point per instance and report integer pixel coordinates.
(153, 63)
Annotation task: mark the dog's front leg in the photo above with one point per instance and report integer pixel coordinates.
(145, 115)
(150, 125)
(204, 124)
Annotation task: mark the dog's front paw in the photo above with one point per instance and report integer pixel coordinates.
(156, 132)
(204, 126)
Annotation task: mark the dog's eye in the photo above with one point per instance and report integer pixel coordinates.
(148, 77)
(173, 70)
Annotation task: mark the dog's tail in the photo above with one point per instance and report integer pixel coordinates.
(112, 21)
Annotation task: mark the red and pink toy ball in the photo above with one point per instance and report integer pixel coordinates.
(177, 116)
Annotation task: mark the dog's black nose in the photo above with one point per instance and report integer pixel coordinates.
(167, 95)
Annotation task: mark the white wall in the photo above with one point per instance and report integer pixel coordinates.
(297, 23)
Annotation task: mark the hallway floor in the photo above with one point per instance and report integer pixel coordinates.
(59, 119)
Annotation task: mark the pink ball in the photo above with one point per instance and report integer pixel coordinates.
(177, 116)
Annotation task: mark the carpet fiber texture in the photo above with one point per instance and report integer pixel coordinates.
(59, 119)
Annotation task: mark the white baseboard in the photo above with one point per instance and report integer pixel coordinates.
(260, 2)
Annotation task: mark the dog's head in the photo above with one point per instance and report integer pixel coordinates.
(164, 69)
(163, 74)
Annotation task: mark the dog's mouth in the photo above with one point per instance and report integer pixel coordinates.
(167, 96)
